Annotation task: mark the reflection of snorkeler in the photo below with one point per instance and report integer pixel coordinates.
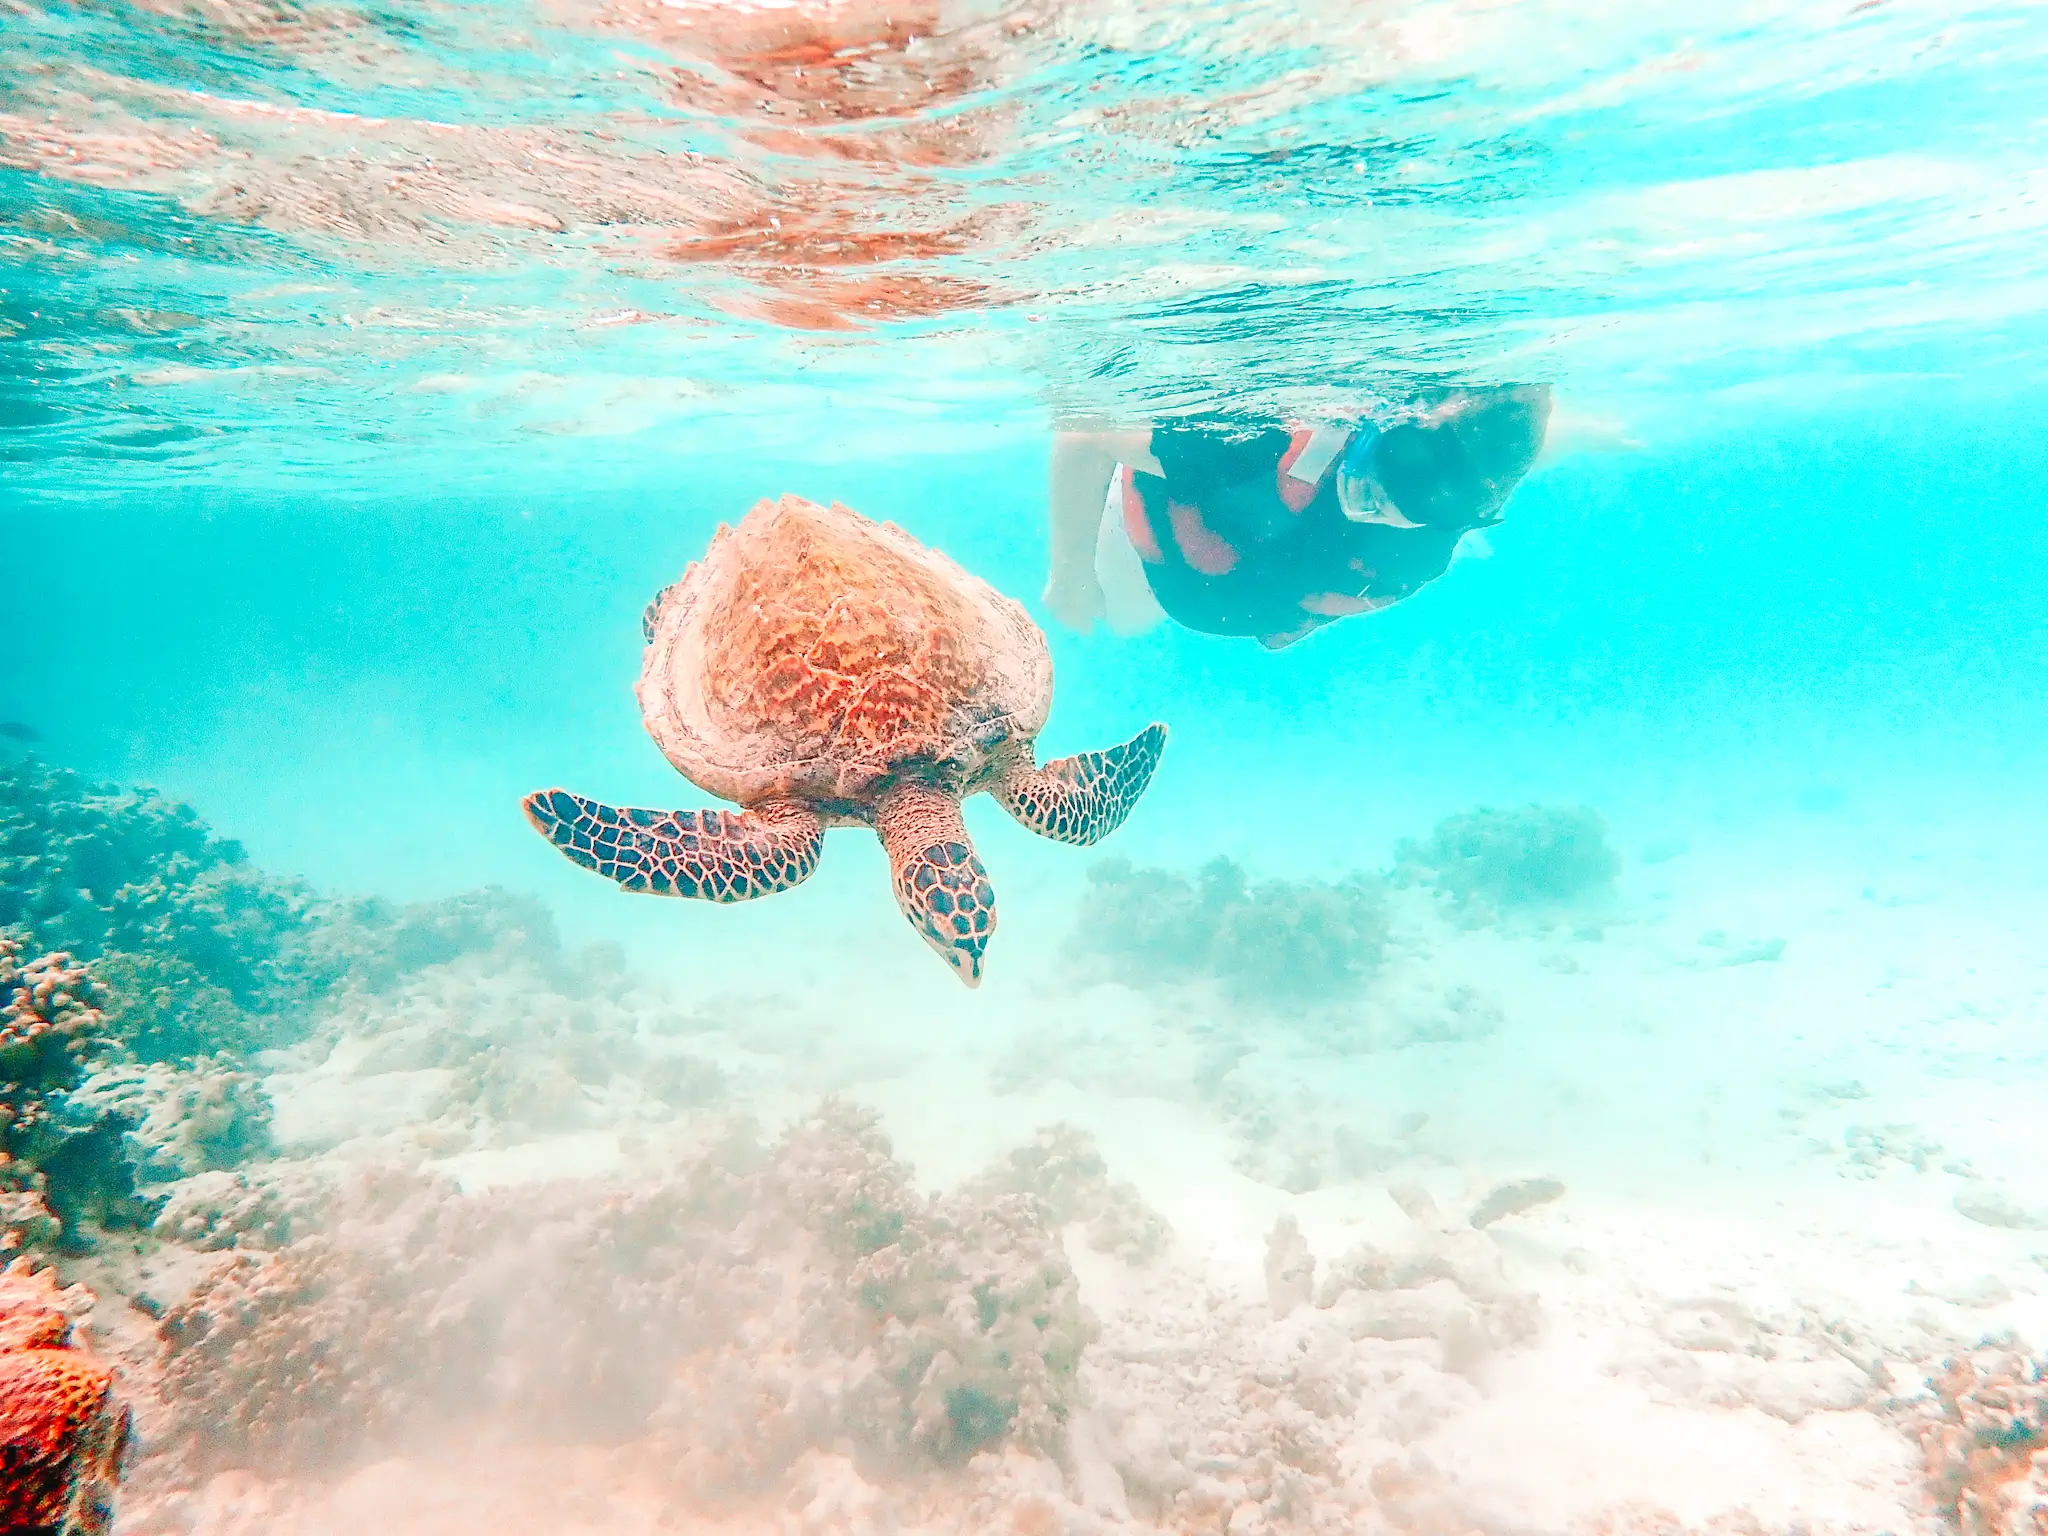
(1256, 529)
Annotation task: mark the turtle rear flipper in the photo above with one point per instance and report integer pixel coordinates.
(1084, 798)
(711, 855)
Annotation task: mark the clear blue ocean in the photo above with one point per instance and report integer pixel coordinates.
(1600, 1094)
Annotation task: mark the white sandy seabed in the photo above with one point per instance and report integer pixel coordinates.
(1776, 1140)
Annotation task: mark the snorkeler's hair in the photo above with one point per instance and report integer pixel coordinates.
(1455, 467)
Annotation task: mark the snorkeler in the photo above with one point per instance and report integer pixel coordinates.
(1270, 531)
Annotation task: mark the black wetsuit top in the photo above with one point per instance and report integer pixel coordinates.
(1227, 478)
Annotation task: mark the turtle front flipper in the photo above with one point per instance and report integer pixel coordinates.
(940, 883)
(651, 614)
(1084, 798)
(712, 855)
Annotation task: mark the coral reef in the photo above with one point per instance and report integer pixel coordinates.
(73, 1146)
(748, 1307)
(175, 1122)
(1279, 943)
(259, 1210)
(1062, 1169)
(57, 1168)
(491, 1049)
(1984, 1441)
(298, 1358)
(63, 1430)
(48, 1022)
(162, 1009)
(200, 952)
(1486, 864)
(96, 869)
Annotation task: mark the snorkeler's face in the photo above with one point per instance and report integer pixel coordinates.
(1430, 478)
(1456, 472)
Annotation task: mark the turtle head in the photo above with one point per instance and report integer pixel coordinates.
(940, 882)
(945, 892)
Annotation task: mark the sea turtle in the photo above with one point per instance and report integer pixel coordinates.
(824, 670)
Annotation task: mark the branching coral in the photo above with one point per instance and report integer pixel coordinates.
(254, 1211)
(1985, 1445)
(63, 1431)
(1278, 942)
(163, 1009)
(1485, 863)
(747, 1308)
(970, 1308)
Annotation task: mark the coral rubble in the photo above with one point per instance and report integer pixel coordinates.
(1278, 942)
(63, 1429)
(1486, 864)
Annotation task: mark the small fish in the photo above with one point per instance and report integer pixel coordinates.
(14, 730)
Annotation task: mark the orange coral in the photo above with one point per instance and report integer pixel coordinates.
(47, 1013)
(62, 1429)
(1986, 1448)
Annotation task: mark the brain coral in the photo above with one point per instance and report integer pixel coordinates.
(63, 1431)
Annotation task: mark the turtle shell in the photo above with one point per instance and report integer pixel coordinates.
(816, 655)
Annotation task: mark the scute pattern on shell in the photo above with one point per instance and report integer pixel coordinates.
(802, 648)
(812, 651)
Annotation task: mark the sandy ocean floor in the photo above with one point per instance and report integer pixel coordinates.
(1656, 1217)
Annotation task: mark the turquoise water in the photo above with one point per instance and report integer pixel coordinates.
(363, 371)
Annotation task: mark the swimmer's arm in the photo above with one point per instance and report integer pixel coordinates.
(1577, 431)
(1082, 462)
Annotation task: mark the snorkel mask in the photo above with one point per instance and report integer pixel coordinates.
(1359, 492)
(1446, 470)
